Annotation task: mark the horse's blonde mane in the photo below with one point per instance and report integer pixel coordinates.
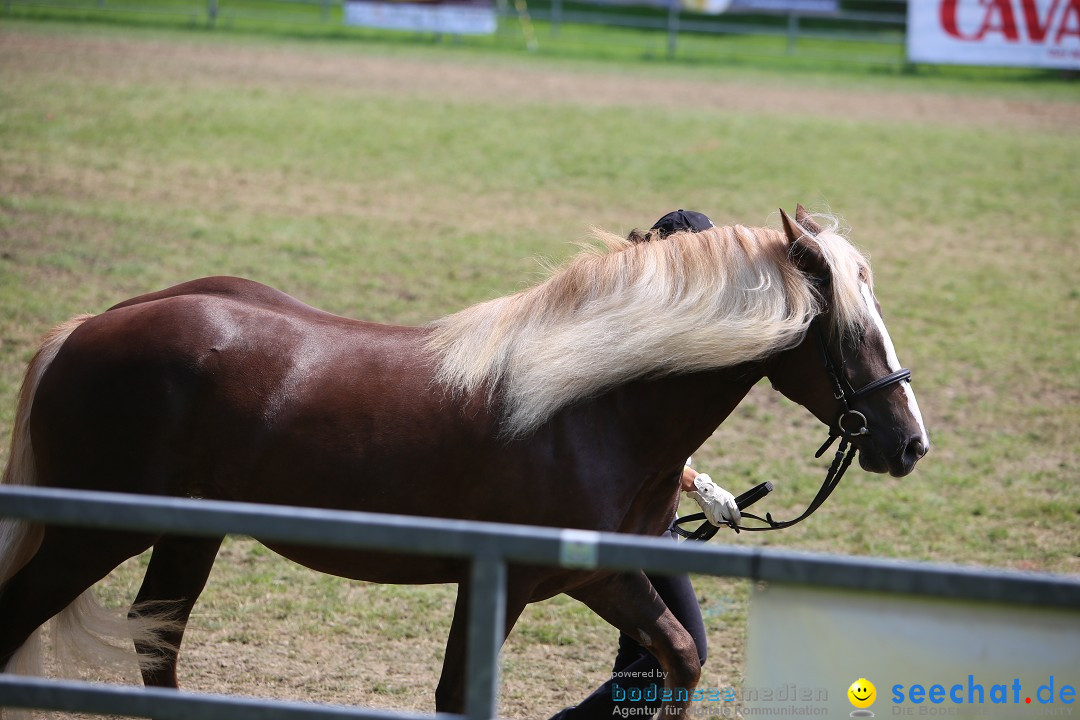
(623, 310)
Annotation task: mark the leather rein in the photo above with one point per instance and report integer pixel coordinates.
(851, 423)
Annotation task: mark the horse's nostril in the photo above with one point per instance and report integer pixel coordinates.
(916, 448)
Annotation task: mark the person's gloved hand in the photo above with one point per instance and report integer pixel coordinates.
(716, 502)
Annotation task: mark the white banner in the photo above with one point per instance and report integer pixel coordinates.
(718, 7)
(453, 17)
(839, 654)
(810, 7)
(1027, 33)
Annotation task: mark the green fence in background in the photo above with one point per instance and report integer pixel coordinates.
(869, 32)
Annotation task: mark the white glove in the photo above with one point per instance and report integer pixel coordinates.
(717, 503)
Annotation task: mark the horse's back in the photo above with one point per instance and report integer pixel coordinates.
(234, 288)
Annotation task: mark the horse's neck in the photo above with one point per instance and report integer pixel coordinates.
(629, 444)
(669, 418)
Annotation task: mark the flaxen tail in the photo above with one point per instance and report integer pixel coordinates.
(19, 540)
(78, 630)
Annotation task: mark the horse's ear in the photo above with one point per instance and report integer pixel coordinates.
(804, 251)
(803, 218)
(792, 229)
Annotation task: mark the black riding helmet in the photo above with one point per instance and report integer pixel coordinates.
(681, 220)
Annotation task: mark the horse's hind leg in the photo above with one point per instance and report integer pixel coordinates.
(629, 602)
(176, 576)
(69, 561)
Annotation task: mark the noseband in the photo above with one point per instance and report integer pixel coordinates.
(849, 424)
(846, 395)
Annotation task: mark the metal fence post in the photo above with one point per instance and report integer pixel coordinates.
(792, 32)
(556, 16)
(672, 26)
(487, 626)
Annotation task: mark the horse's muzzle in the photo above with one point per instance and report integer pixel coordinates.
(909, 451)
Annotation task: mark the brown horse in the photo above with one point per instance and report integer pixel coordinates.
(563, 405)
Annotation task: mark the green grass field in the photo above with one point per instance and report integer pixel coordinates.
(398, 181)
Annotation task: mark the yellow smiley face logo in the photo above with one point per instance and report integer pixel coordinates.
(862, 693)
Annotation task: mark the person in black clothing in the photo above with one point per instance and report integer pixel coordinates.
(636, 672)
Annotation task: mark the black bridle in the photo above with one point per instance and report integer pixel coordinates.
(850, 423)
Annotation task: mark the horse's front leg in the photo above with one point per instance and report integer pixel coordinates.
(450, 694)
(630, 603)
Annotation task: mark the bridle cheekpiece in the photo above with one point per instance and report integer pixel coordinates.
(849, 424)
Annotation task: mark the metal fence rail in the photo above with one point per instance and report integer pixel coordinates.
(162, 704)
(490, 547)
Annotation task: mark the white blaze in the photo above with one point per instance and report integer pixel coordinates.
(894, 362)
